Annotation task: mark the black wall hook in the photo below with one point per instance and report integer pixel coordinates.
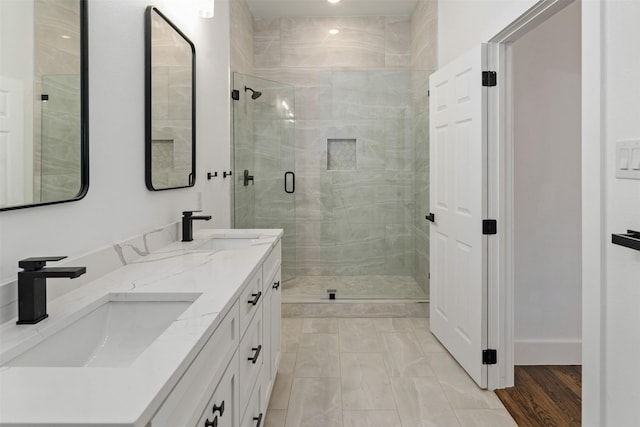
(226, 174)
(211, 175)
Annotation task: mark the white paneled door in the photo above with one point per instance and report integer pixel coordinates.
(458, 154)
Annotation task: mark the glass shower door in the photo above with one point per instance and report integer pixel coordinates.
(264, 160)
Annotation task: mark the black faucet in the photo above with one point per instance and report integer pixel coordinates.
(187, 224)
(32, 286)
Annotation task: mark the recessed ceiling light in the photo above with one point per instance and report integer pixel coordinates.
(334, 31)
(333, 1)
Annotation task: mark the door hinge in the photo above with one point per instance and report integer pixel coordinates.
(489, 357)
(489, 226)
(489, 78)
(428, 93)
(235, 94)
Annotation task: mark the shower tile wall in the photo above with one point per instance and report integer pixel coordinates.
(423, 62)
(56, 167)
(241, 61)
(355, 85)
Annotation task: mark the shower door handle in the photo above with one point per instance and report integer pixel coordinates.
(293, 182)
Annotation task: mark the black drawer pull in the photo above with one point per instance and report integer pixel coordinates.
(257, 350)
(630, 240)
(218, 408)
(213, 423)
(256, 298)
(276, 285)
(258, 419)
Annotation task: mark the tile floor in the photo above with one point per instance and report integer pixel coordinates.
(370, 372)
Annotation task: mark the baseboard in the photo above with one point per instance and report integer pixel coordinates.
(548, 352)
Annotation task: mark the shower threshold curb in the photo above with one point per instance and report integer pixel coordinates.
(355, 308)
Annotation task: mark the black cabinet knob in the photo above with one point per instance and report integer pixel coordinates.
(257, 350)
(256, 298)
(213, 423)
(218, 408)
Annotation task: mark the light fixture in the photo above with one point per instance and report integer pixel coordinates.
(333, 1)
(334, 31)
(206, 8)
(64, 36)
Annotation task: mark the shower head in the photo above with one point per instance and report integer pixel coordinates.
(254, 93)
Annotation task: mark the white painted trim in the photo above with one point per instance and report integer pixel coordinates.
(593, 216)
(547, 352)
(501, 178)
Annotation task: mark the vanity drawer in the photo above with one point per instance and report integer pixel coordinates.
(250, 300)
(272, 263)
(189, 396)
(251, 354)
(222, 409)
(256, 408)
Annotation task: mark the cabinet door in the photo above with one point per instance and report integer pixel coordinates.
(251, 356)
(256, 408)
(223, 408)
(275, 323)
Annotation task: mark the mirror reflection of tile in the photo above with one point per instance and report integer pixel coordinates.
(341, 154)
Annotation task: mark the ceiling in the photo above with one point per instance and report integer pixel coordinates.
(288, 8)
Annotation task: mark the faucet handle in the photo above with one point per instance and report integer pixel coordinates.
(36, 263)
(189, 213)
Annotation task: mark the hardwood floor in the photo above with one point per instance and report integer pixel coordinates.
(549, 396)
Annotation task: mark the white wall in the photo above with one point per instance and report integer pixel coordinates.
(548, 215)
(463, 24)
(621, 319)
(118, 204)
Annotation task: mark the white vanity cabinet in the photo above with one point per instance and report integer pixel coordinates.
(230, 381)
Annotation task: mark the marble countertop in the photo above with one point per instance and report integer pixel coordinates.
(129, 396)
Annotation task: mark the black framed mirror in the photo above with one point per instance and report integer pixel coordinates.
(170, 132)
(44, 108)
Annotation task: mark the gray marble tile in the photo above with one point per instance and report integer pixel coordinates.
(371, 419)
(463, 393)
(266, 42)
(291, 328)
(315, 402)
(306, 42)
(392, 325)
(357, 342)
(445, 366)
(363, 386)
(428, 342)
(403, 356)
(275, 418)
(281, 391)
(397, 41)
(318, 356)
(287, 363)
(485, 418)
(421, 402)
(320, 326)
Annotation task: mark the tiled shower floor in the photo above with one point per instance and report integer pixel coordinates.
(370, 372)
(306, 288)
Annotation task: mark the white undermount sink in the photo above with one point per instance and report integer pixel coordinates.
(111, 334)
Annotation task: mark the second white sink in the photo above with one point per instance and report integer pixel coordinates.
(113, 334)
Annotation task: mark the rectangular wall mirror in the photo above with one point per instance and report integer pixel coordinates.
(44, 156)
(170, 146)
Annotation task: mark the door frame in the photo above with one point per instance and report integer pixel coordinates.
(501, 165)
